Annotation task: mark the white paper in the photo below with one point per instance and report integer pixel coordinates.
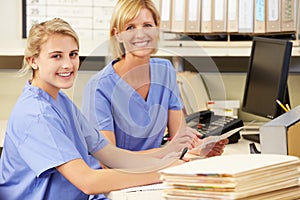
(229, 164)
(218, 138)
(158, 186)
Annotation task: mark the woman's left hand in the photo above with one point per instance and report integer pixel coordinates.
(211, 149)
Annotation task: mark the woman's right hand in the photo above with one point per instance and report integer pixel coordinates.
(185, 137)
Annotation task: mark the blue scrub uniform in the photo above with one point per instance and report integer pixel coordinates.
(109, 103)
(43, 133)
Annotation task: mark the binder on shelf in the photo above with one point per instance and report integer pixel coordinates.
(246, 16)
(206, 16)
(232, 16)
(193, 16)
(288, 15)
(273, 22)
(259, 16)
(178, 16)
(219, 15)
(165, 10)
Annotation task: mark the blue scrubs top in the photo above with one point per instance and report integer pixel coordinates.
(43, 133)
(109, 103)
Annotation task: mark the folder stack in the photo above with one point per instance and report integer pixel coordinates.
(248, 176)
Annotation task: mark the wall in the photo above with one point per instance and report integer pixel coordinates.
(11, 19)
(11, 87)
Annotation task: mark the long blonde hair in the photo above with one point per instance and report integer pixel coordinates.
(125, 11)
(39, 34)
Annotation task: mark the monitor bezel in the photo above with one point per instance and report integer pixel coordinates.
(282, 94)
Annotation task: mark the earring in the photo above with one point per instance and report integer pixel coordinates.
(35, 67)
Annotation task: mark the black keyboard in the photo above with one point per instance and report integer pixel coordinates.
(209, 124)
(252, 137)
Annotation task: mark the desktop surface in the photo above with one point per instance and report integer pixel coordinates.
(241, 147)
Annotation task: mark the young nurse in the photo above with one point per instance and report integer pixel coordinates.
(140, 93)
(49, 144)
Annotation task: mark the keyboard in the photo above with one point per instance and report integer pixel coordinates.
(252, 137)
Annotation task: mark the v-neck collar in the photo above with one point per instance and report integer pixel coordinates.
(129, 88)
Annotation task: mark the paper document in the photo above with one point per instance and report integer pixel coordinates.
(218, 138)
(158, 186)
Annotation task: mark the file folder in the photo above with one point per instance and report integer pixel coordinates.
(232, 16)
(178, 16)
(259, 19)
(288, 15)
(246, 15)
(165, 10)
(193, 17)
(219, 16)
(273, 9)
(206, 16)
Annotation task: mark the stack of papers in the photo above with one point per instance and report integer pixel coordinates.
(247, 176)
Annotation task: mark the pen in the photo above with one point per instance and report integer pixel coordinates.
(281, 105)
(183, 153)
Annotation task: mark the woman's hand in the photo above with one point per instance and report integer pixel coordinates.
(211, 149)
(185, 137)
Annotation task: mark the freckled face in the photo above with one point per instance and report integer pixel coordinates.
(57, 64)
(140, 35)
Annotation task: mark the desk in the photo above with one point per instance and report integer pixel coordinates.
(241, 147)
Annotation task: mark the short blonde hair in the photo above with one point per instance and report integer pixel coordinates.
(39, 34)
(125, 11)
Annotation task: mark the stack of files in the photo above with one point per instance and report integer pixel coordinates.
(247, 176)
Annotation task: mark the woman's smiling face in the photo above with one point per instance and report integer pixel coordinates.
(57, 64)
(140, 35)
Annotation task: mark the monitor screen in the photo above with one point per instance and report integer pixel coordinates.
(266, 79)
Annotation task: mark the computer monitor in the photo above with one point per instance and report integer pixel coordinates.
(267, 77)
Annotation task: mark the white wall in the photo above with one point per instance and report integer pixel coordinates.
(11, 19)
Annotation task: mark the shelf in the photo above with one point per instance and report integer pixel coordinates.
(166, 48)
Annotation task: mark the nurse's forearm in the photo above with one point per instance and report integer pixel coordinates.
(114, 157)
(92, 181)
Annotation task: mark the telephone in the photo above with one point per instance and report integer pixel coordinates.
(194, 95)
(209, 124)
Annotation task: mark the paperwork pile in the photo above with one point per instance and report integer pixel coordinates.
(253, 176)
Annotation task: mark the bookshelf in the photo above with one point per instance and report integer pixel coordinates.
(172, 44)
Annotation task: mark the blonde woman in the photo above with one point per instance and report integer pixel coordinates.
(49, 144)
(135, 97)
